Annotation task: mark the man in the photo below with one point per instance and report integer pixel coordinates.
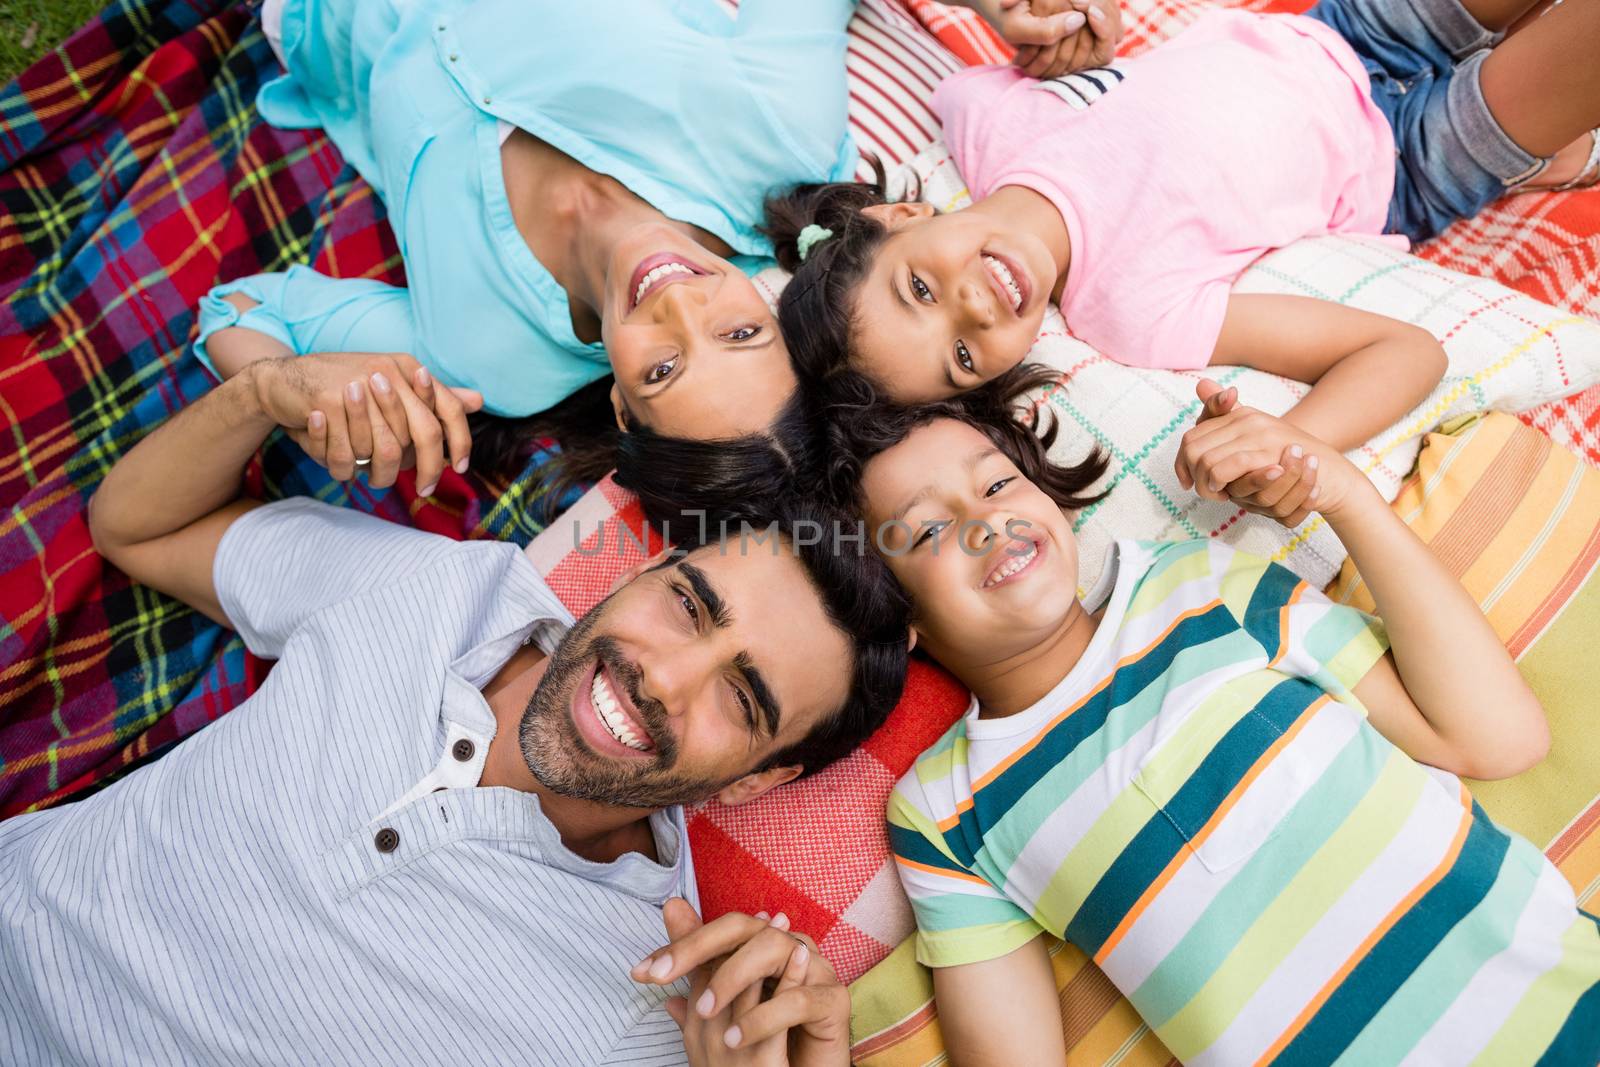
(441, 832)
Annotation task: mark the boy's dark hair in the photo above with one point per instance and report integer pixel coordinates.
(861, 426)
(817, 309)
(675, 478)
(864, 601)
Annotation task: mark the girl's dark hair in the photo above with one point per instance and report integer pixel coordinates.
(677, 479)
(861, 426)
(817, 309)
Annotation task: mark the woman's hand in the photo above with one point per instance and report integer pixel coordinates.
(1056, 37)
(385, 409)
(760, 994)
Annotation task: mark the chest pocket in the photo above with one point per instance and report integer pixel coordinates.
(1082, 88)
(1225, 784)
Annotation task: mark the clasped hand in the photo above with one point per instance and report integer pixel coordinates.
(385, 410)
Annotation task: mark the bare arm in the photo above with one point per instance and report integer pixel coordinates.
(1003, 1011)
(236, 347)
(161, 512)
(1365, 370)
(1448, 693)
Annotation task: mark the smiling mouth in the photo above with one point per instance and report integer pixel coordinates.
(608, 709)
(657, 272)
(1015, 565)
(1010, 285)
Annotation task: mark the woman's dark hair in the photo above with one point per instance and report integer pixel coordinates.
(817, 308)
(861, 426)
(865, 602)
(677, 479)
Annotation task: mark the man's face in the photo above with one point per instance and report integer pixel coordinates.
(686, 679)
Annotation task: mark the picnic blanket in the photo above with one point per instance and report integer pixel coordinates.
(134, 174)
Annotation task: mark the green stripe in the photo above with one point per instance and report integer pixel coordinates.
(1544, 1008)
(1434, 986)
(1318, 886)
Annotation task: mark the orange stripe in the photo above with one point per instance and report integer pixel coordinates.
(1372, 938)
(1006, 764)
(1283, 624)
(943, 872)
(1154, 889)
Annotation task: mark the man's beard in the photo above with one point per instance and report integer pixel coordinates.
(561, 760)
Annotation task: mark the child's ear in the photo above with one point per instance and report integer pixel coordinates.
(911, 640)
(898, 216)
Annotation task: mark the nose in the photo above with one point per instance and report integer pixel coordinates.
(675, 675)
(981, 531)
(680, 305)
(977, 304)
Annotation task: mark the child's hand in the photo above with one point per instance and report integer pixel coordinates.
(1261, 462)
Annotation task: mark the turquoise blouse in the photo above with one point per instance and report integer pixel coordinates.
(699, 113)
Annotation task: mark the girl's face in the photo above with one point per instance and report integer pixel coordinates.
(950, 302)
(989, 559)
(695, 350)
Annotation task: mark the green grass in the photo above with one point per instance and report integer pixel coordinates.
(30, 28)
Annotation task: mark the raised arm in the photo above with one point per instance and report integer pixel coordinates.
(1365, 370)
(1447, 693)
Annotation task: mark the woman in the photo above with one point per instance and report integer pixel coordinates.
(576, 190)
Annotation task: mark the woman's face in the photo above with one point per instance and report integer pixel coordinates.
(988, 559)
(695, 350)
(950, 302)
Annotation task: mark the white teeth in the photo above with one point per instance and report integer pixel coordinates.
(610, 714)
(649, 280)
(1004, 276)
(1013, 565)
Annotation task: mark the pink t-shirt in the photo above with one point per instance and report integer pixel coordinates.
(1176, 169)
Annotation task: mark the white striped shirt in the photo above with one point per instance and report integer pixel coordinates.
(288, 885)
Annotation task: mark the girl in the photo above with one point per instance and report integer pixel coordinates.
(576, 191)
(1214, 784)
(1135, 194)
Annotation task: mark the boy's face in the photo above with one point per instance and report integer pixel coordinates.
(988, 558)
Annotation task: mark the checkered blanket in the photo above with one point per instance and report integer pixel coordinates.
(133, 175)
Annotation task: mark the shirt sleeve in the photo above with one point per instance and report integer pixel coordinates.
(1303, 632)
(961, 918)
(281, 564)
(311, 312)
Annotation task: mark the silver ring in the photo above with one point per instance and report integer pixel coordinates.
(364, 462)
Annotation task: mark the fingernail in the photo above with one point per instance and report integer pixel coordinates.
(427, 490)
(353, 391)
(641, 969)
(1096, 14)
(706, 1005)
(763, 916)
(1072, 21)
(1312, 463)
(1315, 489)
(380, 383)
(661, 967)
(315, 420)
(781, 921)
(461, 465)
(1273, 474)
(1296, 451)
(1214, 484)
(423, 377)
(732, 1036)
(801, 955)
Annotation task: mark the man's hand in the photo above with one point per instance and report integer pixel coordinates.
(760, 994)
(1056, 37)
(341, 407)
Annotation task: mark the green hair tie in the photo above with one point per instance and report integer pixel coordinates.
(809, 238)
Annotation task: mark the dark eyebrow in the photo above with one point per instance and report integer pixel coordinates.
(926, 491)
(718, 608)
(766, 701)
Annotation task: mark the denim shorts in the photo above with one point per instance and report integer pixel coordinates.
(1425, 57)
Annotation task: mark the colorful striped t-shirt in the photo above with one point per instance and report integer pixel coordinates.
(1201, 806)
